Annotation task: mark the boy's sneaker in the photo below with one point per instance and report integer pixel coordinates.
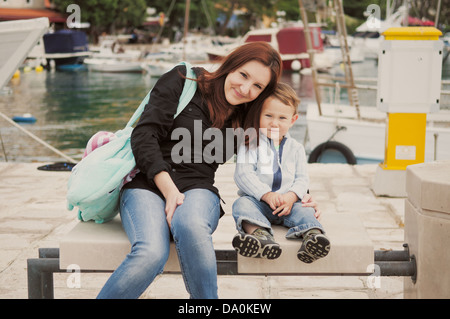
(259, 244)
(315, 245)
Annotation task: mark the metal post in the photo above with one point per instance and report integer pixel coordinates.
(40, 277)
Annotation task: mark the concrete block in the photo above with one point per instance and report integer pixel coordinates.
(94, 246)
(427, 229)
(389, 182)
(428, 236)
(428, 186)
(351, 251)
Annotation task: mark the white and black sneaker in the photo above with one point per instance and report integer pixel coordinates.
(259, 244)
(315, 246)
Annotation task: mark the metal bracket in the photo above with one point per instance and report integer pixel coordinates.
(397, 263)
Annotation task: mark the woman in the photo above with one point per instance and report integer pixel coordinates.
(169, 197)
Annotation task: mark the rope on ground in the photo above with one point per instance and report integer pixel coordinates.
(37, 138)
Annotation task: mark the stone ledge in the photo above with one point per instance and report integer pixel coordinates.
(93, 246)
(351, 251)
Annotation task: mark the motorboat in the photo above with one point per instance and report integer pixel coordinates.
(112, 58)
(112, 65)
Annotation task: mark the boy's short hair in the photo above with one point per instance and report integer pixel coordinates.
(286, 94)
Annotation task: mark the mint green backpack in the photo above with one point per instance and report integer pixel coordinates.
(95, 182)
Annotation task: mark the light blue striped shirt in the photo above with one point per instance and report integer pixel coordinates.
(263, 169)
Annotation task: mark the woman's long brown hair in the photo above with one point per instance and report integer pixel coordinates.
(211, 84)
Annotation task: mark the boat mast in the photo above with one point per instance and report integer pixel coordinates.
(186, 27)
(342, 35)
(311, 54)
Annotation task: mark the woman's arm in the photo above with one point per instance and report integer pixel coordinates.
(156, 122)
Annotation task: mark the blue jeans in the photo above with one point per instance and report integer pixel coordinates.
(144, 221)
(301, 219)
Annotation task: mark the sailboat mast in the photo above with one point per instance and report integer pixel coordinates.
(311, 53)
(186, 27)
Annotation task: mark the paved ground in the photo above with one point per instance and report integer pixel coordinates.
(33, 214)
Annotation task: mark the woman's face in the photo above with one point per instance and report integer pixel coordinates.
(246, 82)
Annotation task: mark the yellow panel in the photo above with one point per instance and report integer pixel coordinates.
(412, 33)
(405, 140)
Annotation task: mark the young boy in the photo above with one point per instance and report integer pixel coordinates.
(272, 180)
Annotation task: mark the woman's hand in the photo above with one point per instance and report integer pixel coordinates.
(172, 202)
(308, 201)
(170, 192)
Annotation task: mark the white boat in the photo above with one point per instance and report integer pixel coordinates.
(156, 68)
(111, 57)
(112, 65)
(191, 48)
(368, 35)
(112, 49)
(159, 67)
(17, 39)
(334, 54)
(364, 138)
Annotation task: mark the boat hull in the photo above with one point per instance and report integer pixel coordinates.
(112, 66)
(366, 137)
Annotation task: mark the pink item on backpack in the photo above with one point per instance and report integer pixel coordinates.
(97, 140)
(101, 138)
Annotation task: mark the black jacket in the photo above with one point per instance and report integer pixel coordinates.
(152, 141)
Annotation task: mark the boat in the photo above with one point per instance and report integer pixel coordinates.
(157, 68)
(189, 48)
(368, 35)
(18, 38)
(112, 58)
(289, 40)
(334, 54)
(25, 118)
(110, 48)
(356, 134)
(66, 47)
(113, 65)
(362, 141)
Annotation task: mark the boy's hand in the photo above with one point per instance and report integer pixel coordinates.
(272, 199)
(288, 201)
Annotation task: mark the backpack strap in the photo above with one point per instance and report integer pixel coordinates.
(190, 86)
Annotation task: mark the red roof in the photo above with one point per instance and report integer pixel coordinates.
(19, 14)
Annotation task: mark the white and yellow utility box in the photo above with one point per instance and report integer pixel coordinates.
(409, 85)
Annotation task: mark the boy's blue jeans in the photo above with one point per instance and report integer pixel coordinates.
(259, 213)
(144, 221)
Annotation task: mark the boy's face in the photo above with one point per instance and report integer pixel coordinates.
(276, 119)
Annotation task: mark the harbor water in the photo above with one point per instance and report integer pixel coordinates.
(70, 107)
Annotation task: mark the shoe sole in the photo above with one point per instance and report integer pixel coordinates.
(314, 248)
(248, 246)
